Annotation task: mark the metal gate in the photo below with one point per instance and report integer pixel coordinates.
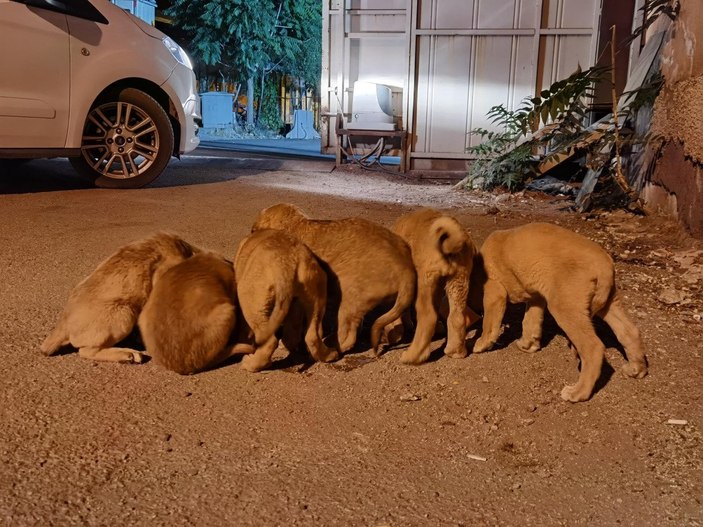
(449, 61)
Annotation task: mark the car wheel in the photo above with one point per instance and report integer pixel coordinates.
(127, 141)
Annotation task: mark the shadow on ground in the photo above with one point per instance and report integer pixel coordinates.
(201, 167)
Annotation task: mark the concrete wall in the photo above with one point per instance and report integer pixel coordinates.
(676, 184)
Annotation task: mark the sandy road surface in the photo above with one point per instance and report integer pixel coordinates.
(484, 440)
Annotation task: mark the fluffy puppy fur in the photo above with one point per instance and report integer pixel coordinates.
(547, 266)
(370, 264)
(103, 309)
(279, 280)
(190, 315)
(443, 253)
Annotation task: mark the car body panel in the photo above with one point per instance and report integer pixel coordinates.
(181, 86)
(92, 57)
(103, 55)
(34, 105)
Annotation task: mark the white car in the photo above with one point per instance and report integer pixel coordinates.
(88, 81)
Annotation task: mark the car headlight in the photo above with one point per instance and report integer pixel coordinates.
(178, 52)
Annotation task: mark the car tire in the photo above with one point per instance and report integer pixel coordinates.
(127, 141)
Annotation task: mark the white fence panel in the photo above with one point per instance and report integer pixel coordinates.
(452, 60)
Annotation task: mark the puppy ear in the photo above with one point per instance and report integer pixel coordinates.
(185, 248)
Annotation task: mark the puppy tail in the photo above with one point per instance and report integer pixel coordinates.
(56, 339)
(281, 305)
(449, 235)
(406, 295)
(604, 289)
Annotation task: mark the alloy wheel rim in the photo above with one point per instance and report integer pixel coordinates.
(120, 140)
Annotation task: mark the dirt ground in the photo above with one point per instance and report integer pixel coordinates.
(484, 440)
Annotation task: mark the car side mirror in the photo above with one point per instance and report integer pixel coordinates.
(78, 8)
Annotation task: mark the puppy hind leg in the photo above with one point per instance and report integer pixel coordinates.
(578, 326)
(426, 310)
(102, 331)
(56, 339)
(347, 333)
(220, 327)
(293, 326)
(314, 313)
(261, 358)
(532, 322)
(495, 299)
(256, 334)
(125, 355)
(629, 336)
(348, 321)
(457, 296)
(240, 348)
(403, 301)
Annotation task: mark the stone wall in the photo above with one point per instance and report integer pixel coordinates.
(676, 184)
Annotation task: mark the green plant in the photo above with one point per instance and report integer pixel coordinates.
(510, 156)
(246, 41)
(520, 149)
(270, 115)
(650, 13)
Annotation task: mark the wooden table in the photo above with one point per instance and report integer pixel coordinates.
(344, 149)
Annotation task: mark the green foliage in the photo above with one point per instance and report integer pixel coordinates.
(511, 157)
(508, 168)
(300, 40)
(270, 116)
(508, 157)
(231, 33)
(249, 40)
(250, 37)
(645, 95)
(650, 13)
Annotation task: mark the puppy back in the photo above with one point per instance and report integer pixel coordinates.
(267, 265)
(190, 314)
(284, 216)
(544, 255)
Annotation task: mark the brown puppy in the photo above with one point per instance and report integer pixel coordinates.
(279, 280)
(545, 265)
(443, 255)
(371, 264)
(103, 309)
(190, 315)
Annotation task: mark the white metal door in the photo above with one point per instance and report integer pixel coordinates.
(452, 60)
(34, 77)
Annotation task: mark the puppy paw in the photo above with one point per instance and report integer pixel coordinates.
(528, 345)
(251, 363)
(574, 394)
(412, 357)
(330, 356)
(456, 353)
(48, 351)
(636, 370)
(482, 345)
(132, 357)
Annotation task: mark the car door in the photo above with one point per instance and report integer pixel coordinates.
(34, 77)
